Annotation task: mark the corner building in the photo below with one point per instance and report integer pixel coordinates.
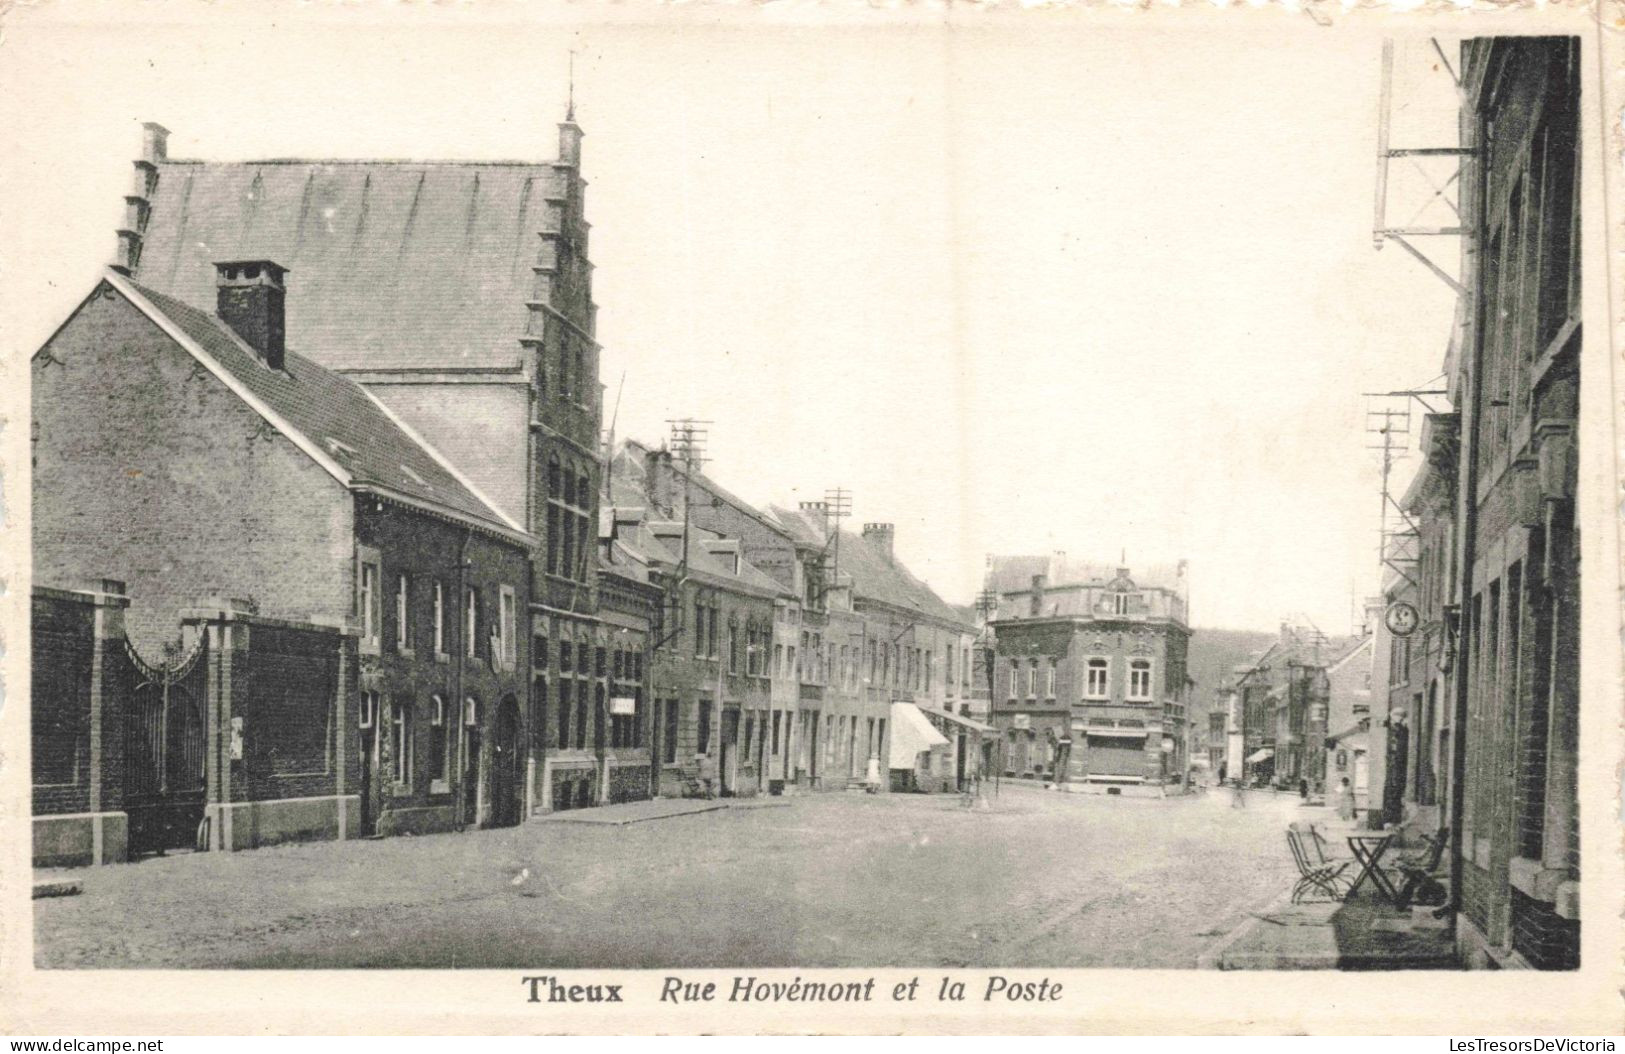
(1090, 683)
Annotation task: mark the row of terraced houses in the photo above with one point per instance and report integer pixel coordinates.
(328, 542)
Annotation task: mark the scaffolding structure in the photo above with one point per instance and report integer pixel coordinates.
(1423, 182)
(1429, 179)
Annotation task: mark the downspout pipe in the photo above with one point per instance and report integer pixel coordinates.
(459, 660)
(1467, 516)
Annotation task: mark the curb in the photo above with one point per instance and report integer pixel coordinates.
(1212, 957)
(66, 887)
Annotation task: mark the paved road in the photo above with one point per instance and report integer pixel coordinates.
(1041, 879)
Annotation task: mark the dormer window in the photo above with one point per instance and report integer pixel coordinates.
(1120, 603)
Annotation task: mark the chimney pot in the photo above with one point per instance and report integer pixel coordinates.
(251, 298)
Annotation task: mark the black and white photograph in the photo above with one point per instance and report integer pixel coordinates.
(744, 499)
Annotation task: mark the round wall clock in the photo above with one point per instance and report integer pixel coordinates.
(1401, 618)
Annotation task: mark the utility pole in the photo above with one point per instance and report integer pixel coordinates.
(987, 605)
(837, 507)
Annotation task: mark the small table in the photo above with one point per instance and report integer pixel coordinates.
(1368, 850)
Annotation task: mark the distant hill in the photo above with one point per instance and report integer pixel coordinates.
(1213, 652)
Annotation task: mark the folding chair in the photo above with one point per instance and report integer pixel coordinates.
(1419, 867)
(1315, 871)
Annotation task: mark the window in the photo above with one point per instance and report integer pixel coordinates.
(699, 627)
(367, 602)
(1015, 676)
(668, 735)
(704, 744)
(1032, 678)
(439, 619)
(564, 712)
(711, 636)
(403, 637)
(733, 647)
(777, 714)
(1097, 675)
(1049, 680)
(369, 709)
(506, 629)
(439, 756)
(471, 625)
(1139, 679)
(750, 735)
(401, 743)
(569, 514)
(1120, 603)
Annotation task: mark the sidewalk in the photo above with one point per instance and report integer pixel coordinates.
(1365, 932)
(655, 809)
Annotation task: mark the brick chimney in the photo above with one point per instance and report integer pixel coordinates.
(250, 297)
(882, 535)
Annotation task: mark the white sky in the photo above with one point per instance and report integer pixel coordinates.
(1050, 285)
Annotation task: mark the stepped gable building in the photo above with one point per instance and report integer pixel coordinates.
(1090, 684)
(459, 293)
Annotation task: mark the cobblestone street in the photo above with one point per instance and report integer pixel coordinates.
(1040, 879)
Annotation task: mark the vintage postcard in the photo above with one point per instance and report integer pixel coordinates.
(727, 518)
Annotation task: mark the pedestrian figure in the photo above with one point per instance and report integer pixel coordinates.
(1303, 789)
(1345, 800)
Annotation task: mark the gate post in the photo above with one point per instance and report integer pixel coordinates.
(227, 643)
(109, 841)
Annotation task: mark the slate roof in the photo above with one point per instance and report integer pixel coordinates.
(392, 264)
(873, 576)
(1014, 574)
(330, 413)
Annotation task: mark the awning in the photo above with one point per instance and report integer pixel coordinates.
(911, 733)
(964, 722)
(1128, 733)
(1259, 755)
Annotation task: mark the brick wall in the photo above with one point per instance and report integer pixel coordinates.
(629, 783)
(1547, 940)
(63, 649)
(149, 470)
(429, 551)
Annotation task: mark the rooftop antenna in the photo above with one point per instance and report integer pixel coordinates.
(570, 111)
(609, 438)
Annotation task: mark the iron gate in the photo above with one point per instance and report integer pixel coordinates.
(164, 748)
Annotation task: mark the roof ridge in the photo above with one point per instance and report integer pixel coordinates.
(136, 294)
(150, 303)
